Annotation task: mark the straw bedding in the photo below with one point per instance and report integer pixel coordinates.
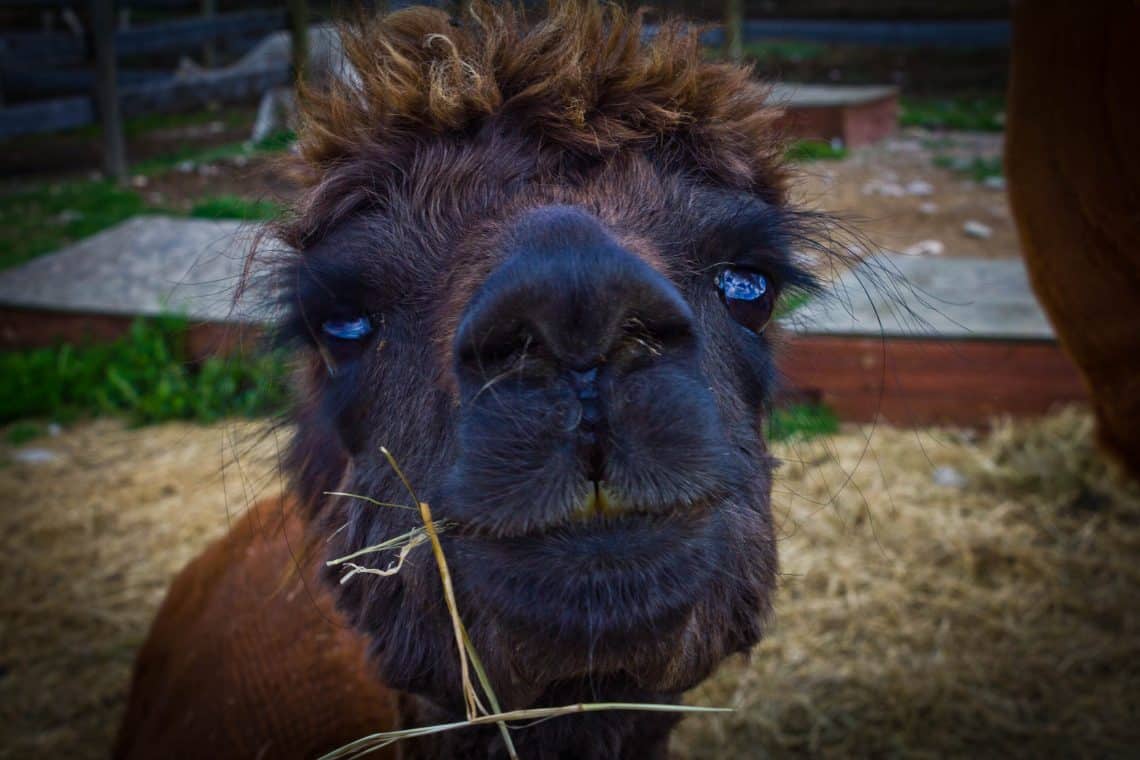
(994, 609)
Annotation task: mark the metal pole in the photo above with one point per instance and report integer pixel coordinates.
(106, 89)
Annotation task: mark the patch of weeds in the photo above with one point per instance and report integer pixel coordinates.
(802, 422)
(235, 207)
(978, 168)
(146, 375)
(278, 141)
(275, 143)
(789, 304)
(138, 126)
(791, 51)
(22, 432)
(815, 150)
(34, 222)
(974, 114)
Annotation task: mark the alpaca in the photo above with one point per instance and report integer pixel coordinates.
(536, 261)
(1074, 188)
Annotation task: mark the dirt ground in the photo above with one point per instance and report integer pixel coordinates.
(901, 200)
(943, 592)
(893, 192)
(899, 194)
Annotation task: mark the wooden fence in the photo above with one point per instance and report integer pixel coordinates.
(115, 94)
(50, 58)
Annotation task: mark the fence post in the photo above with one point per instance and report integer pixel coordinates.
(299, 28)
(734, 29)
(209, 48)
(107, 90)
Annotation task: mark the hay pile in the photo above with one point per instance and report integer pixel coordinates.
(88, 544)
(998, 616)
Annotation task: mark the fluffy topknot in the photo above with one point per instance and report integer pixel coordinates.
(587, 79)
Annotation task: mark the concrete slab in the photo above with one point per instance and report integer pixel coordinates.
(856, 115)
(897, 296)
(793, 95)
(152, 265)
(147, 265)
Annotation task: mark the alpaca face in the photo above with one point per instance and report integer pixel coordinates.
(565, 350)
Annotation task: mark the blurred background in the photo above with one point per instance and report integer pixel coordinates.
(959, 557)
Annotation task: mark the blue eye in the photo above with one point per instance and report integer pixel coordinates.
(348, 329)
(748, 296)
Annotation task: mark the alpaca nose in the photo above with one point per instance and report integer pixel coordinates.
(569, 298)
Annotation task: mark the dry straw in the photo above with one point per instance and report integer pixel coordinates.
(916, 617)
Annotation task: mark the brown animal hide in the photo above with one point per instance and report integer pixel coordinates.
(248, 657)
(1074, 173)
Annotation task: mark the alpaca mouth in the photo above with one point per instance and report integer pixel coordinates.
(600, 502)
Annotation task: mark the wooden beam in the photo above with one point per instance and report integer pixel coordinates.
(186, 35)
(107, 92)
(222, 86)
(46, 116)
(923, 381)
(209, 49)
(734, 29)
(299, 29)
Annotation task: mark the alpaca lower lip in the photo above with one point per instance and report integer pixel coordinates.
(600, 502)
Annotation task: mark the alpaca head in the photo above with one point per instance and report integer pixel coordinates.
(535, 261)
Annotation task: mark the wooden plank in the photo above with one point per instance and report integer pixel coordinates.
(181, 35)
(107, 89)
(928, 381)
(43, 82)
(46, 116)
(970, 34)
(188, 35)
(58, 48)
(223, 86)
(36, 328)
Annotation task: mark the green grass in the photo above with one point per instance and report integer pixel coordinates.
(37, 221)
(814, 150)
(275, 143)
(141, 125)
(978, 168)
(975, 114)
(22, 432)
(43, 219)
(801, 422)
(145, 375)
(235, 207)
(793, 51)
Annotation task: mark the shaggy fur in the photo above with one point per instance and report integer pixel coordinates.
(530, 219)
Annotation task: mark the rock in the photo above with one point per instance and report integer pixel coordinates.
(927, 208)
(949, 477)
(185, 166)
(139, 180)
(996, 182)
(69, 215)
(276, 113)
(919, 187)
(925, 248)
(976, 229)
(883, 188)
(54, 429)
(35, 456)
